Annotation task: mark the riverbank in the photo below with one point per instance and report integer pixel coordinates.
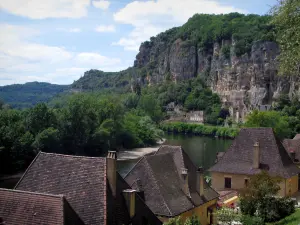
(136, 153)
(199, 129)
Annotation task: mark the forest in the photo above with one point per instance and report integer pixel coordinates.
(92, 123)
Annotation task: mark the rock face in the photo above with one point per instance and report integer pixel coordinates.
(244, 83)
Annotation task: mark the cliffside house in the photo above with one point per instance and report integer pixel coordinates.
(172, 186)
(254, 150)
(196, 116)
(89, 190)
(292, 147)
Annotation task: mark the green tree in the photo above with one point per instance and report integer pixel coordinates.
(48, 140)
(286, 17)
(258, 196)
(273, 119)
(39, 118)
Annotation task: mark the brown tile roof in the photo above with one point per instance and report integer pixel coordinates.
(160, 179)
(27, 208)
(82, 180)
(292, 145)
(273, 157)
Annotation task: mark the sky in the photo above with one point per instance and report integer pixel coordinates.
(56, 41)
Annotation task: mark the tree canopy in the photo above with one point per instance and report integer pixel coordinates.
(87, 124)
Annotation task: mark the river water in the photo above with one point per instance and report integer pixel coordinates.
(202, 150)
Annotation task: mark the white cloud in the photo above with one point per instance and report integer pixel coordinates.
(154, 16)
(102, 4)
(96, 60)
(105, 28)
(71, 30)
(22, 60)
(39, 9)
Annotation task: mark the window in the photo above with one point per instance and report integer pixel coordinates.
(246, 182)
(227, 182)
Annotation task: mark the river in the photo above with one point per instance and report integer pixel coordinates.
(202, 151)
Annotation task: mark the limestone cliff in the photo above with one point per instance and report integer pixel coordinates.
(243, 82)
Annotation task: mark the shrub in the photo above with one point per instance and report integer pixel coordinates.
(251, 220)
(199, 129)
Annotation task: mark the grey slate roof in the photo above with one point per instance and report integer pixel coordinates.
(27, 208)
(273, 157)
(160, 179)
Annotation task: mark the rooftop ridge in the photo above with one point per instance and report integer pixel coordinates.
(71, 156)
(33, 193)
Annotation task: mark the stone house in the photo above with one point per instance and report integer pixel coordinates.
(254, 150)
(87, 190)
(196, 116)
(172, 186)
(292, 147)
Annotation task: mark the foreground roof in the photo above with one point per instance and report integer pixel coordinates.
(238, 159)
(27, 208)
(82, 180)
(84, 183)
(159, 177)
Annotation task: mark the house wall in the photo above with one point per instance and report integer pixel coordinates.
(200, 211)
(287, 186)
(218, 181)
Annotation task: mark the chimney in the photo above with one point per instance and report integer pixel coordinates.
(185, 176)
(200, 181)
(256, 154)
(111, 171)
(129, 196)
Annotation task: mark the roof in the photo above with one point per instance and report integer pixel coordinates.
(159, 176)
(82, 180)
(292, 145)
(297, 136)
(84, 183)
(27, 208)
(238, 159)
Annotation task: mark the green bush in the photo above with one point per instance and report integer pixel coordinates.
(199, 129)
(251, 220)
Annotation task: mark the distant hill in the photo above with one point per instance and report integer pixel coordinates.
(26, 95)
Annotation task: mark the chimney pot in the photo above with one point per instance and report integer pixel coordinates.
(111, 171)
(200, 181)
(184, 173)
(256, 155)
(130, 196)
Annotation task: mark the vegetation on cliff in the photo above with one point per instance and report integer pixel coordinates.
(284, 118)
(286, 18)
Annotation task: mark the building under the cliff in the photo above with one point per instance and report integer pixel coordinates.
(252, 151)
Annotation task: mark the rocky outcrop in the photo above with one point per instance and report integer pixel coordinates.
(244, 82)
